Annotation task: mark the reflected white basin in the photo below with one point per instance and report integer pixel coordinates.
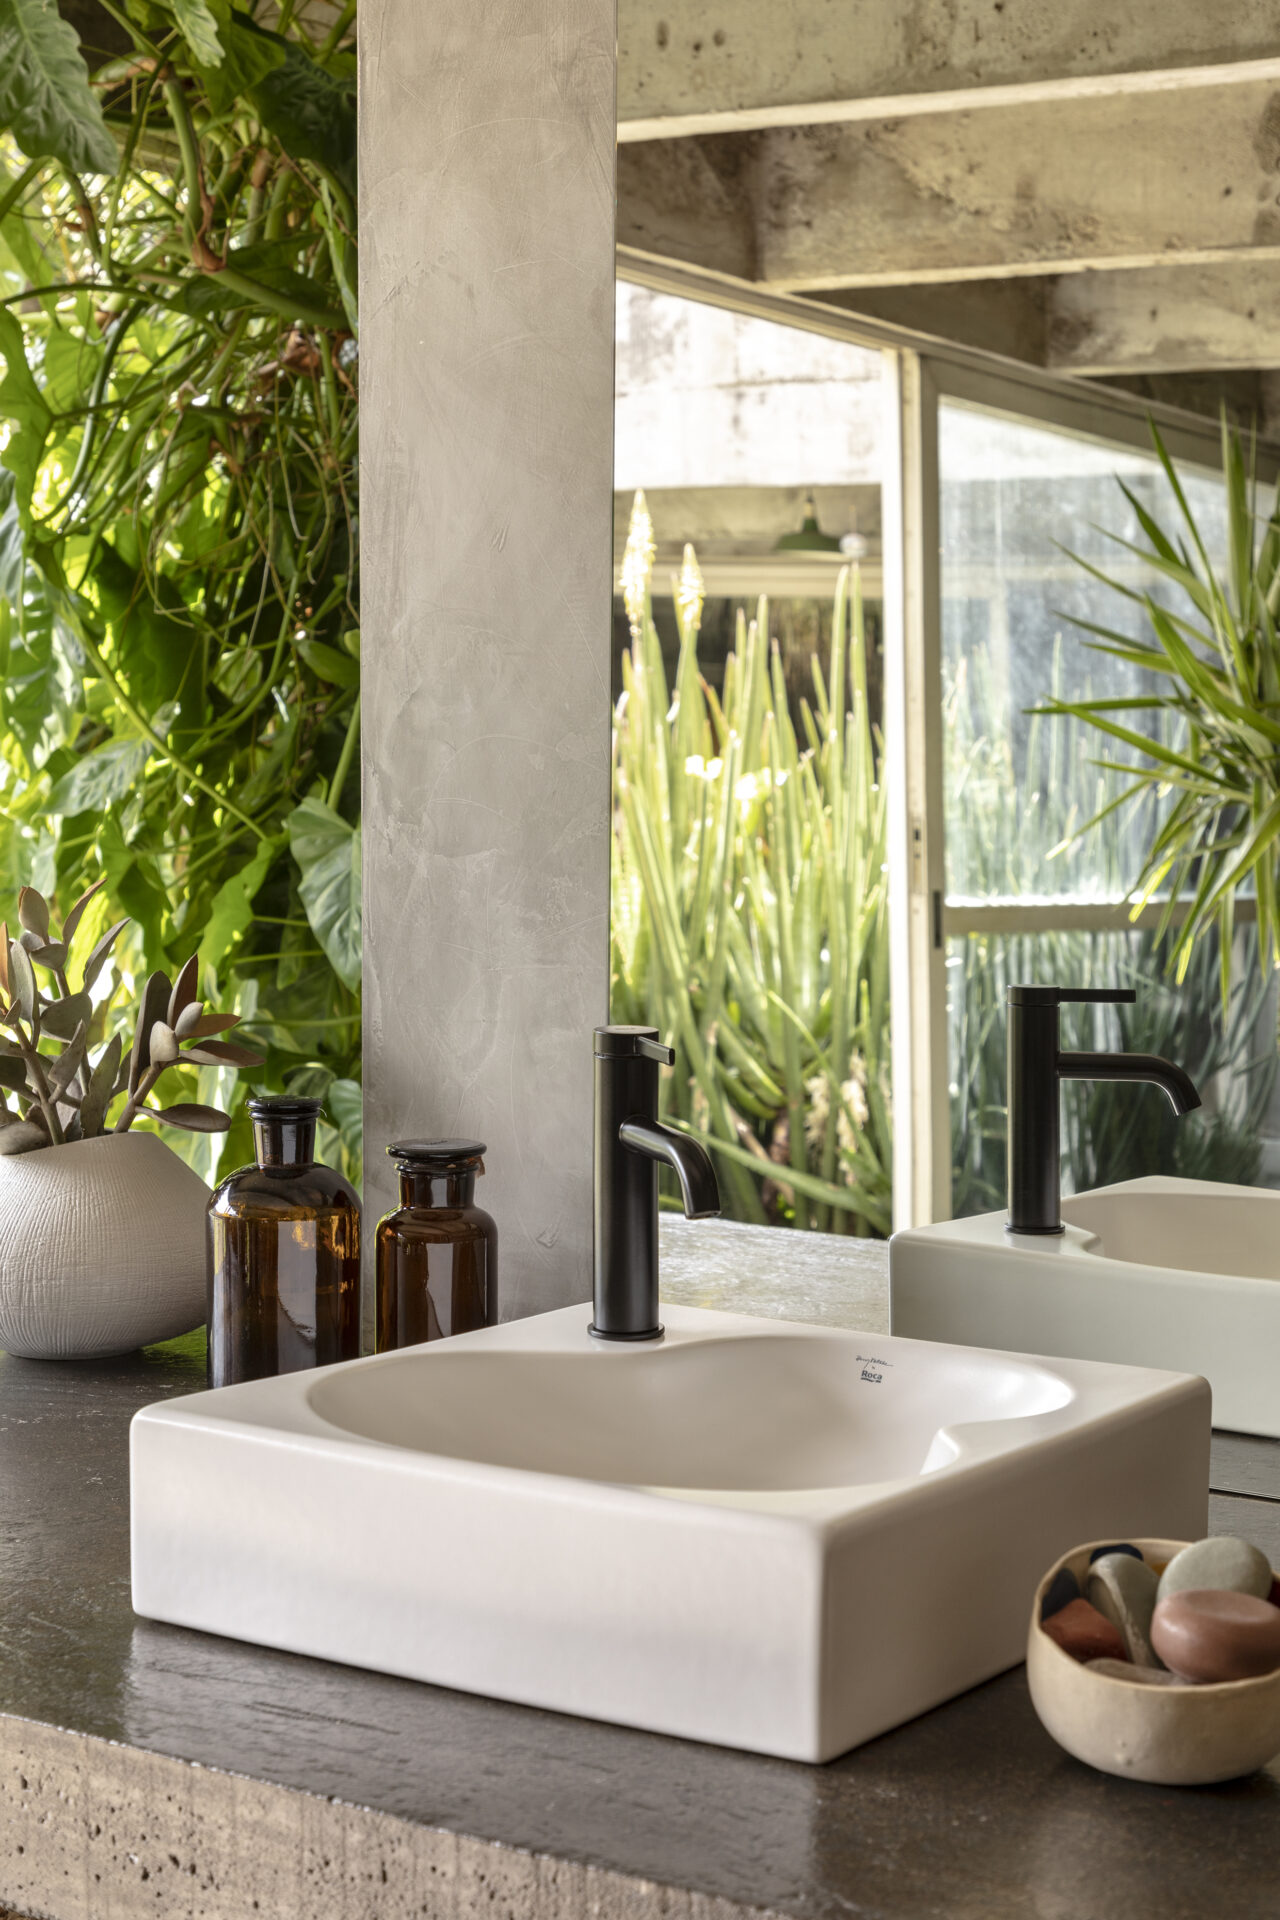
(778, 1537)
(1156, 1272)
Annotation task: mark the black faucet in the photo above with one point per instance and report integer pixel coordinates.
(630, 1140)
(1036, 1065)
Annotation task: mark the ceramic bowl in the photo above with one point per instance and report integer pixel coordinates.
(1173, 1736)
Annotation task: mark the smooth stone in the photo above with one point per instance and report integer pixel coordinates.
(1137, 1676)
(1121, 1546)
(1063, 1589)
(1214, 1634)
(1124, 1592)
(1084, 1633)
(1227, 1563)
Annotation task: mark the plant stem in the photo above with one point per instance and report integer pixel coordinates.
(343, 767)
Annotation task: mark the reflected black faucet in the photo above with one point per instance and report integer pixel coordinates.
(1036, 1065)
(630, 1140)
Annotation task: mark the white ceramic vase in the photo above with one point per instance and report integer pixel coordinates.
(101, 1248)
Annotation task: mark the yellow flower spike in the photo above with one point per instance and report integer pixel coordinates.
(690, 592)
(637, 563)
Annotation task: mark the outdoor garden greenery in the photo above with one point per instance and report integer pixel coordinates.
(749, 906)
(1207, 727)
(179, 651)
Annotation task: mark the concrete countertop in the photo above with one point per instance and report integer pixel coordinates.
(149, 1770)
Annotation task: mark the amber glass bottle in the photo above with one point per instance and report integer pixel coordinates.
(437, 1254)
(283, 1255)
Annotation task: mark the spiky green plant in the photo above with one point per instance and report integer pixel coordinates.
(749, 912)
(1212, 644)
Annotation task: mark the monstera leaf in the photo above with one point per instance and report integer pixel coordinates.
(45, 99)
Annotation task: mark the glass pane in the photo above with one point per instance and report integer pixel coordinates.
(1014, 495)
(1112, 1132)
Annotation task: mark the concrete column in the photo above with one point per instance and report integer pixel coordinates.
(486, 364)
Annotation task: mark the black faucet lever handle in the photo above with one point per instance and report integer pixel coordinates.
(654, 1050)
(1057, 996)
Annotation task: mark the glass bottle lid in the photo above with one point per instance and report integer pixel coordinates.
(438, 1156)
(282, 1106)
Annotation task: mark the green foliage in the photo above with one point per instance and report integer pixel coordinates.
(1215, 654)
(179, 671)
(60, 1093)
(749, 916)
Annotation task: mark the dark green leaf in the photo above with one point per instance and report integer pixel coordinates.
(327, 851)
(97, 959)
(61, 1017)
(73, 919)
(22, 1136)
(247, 58)
(33, 913)
(45, 98)
(200, 31)
(13, 1072)
(185, 988)
(102, 1082)
(231, 911)
(26, 413)
(155, 1002)
(328, 664)
(221, 1053)
(191, 1118)
(100, 779)
(22, 975)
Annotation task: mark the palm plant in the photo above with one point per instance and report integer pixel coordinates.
(749, 914)
(1211, 738)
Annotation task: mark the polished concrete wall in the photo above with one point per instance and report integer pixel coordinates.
(486, 407)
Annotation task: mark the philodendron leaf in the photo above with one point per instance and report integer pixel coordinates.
(192, 1118)
(76, 914)
(22, 975)
(102, 1086)
(33, 908)
(327, 851)
(62, 1017)
(162, 1045)
(97, 959)
(99, 779)
(155, 1003)
(200, 30)
(22, 1137)
(185, 989)
(45, 98)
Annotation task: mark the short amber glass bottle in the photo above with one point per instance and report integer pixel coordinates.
(283, 1254)
(437, 1254)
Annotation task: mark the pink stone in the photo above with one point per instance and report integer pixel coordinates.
(1210, 1634)
(1086, 1634)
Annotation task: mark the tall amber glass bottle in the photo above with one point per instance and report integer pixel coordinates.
(437, 1254)
(283, 1254)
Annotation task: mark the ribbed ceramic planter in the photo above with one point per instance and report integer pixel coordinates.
(101, 1248)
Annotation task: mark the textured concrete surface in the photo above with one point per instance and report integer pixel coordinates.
(685, 61)
(486, 298)
(150, 1771)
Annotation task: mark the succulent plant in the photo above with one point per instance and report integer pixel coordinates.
(61, 1094)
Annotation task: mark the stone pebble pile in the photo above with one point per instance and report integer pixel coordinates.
(1212, 1613)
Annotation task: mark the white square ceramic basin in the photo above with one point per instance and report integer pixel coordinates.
(778, 1537)
(1159, 1272)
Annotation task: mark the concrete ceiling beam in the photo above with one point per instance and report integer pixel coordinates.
(689, 67)
(1165, 319)
(1086, 184)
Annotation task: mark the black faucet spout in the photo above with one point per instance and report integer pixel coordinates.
(1147, 1068)
(1037, 1067)
(691, 1163)
(630, 1141)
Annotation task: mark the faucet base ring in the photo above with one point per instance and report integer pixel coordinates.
(600, 1333)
